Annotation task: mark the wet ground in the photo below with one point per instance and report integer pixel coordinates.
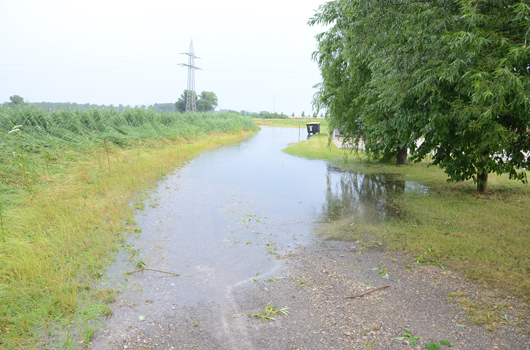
(240, 225)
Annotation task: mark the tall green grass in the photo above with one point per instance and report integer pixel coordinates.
(32, 140)
(82, 129)
(66, 181)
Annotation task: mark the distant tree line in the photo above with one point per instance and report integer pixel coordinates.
(268, 115)
(205, 102)
(51, 106)
(163, 107)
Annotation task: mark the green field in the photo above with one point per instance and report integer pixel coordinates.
(294, 123)
(67, 179)
(485, 236)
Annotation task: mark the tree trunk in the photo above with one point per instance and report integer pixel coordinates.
(402, 156)
(482, 181)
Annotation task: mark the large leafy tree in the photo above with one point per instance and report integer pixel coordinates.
(16, 100)
(206, 101)
(453, 73)
(180, 105)
(368, 58)
(487, 62)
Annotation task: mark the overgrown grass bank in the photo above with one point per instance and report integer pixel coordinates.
(485, 236)
(66, 182)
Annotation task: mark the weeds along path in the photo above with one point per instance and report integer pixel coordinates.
(67, 181)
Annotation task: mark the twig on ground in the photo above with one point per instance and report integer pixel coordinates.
(362, 295)
(144, 269)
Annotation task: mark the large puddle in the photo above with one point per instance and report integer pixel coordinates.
(229, 215)
(354, 197)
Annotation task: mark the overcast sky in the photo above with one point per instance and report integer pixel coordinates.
(254, 55)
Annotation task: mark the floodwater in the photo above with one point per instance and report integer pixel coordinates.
(232, 213)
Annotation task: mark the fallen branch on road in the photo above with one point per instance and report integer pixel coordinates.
(362, 295)
(141, 270)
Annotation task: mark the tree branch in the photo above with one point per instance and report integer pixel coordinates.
(146, 269)
(362, 295)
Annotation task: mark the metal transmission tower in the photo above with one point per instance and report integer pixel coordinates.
(191, 103)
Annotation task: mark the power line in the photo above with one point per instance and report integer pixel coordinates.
(191, 103)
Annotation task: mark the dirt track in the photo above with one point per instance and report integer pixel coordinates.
(313, 283)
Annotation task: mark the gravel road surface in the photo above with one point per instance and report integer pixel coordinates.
(312, 282)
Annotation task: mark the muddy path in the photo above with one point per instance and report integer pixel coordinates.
(239, 224)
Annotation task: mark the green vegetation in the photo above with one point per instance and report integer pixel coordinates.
(268, 312)
(383, 272)
(436, 346)
(316, 148)
(268, 115)
(430, 346)
(484, 235)
(426, 258)
(453, 74)
(407, 335)
(205, 102)
(51, 106)
(67, 183)
(293, 123)
(482, 313)
(15, 101)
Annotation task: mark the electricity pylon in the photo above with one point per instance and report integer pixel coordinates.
(191, 103)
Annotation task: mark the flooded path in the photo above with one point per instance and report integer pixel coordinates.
(230, 221)
(229, 216)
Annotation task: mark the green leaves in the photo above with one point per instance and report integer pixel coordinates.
(412, 340)
(436, 346)
(269, 311)
(453, 74)
(430, 346)
(206, 101)
(427, 258)
(382, 271)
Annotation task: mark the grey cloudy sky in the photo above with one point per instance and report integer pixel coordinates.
(254, 55)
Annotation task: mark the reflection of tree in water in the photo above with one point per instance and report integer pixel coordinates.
(359, 196)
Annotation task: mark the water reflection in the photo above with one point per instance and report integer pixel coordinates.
(354, 197)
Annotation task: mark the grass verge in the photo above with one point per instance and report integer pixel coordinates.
(68, 181)
(485, 236)
(293, 122)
